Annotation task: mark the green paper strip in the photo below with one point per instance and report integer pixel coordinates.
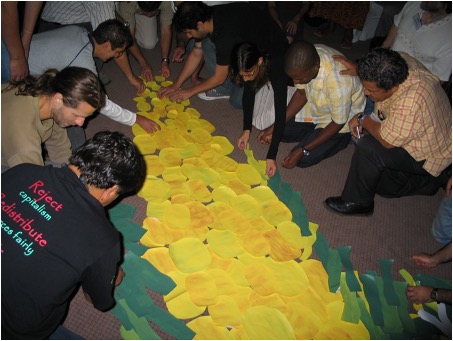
(376, 332)
(333, 269)
(322, 249)
(403, 312)
(372, 295)
(389, 291)
(392, 322)
(274, 183)
(140, 324)
(351, 311)
(129, 334)
(351, 279)
(122, 211)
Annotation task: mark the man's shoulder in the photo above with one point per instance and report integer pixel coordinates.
(68, 32)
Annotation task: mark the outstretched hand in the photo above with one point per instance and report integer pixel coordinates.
(351, 67)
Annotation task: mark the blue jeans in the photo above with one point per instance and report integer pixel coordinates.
(228, 86)
(6, 72)
(63, 333)
(441, 228)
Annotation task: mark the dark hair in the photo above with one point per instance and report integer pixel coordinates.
(114, 31)
(149, 6)
(301, 55)
(384, 67)
(436, 6)
(243, 58)
(108, 159)
(189, 13)
(75, 84)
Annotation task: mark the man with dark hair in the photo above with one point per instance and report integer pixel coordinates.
(223, 27)
(40, 111)
(142, 19)
(321, 105)
(69, 242)
(74, 46)
(407, 150)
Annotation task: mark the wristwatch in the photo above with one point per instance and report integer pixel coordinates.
(360, 118)
(435, 295)
(164, 60)
(306, 152)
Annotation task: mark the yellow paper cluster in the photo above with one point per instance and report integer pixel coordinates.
(240, 264)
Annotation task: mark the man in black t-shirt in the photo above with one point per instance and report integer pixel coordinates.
(223, 26)
(56, 236)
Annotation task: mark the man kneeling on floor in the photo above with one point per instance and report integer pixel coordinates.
(408, 148)
(56, 236)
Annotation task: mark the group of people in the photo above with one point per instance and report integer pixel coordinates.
(289, 89)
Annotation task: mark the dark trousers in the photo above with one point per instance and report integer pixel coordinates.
(303, 133)
(389, 172)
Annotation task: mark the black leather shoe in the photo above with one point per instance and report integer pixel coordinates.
(338, 205)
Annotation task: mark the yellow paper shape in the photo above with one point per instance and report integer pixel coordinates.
(194, 113)
(180, 199)
(180, 280)
(247, 205)
(205, 329)
(223, 281)
(153, 165)
(319, 280)
(223, 194)
(238, 186)
(254, 242)
(159, 234)
(200, 216)
(178, 107)
(233, 220)
(276, 212)
(171, 174)
(201, 288)
(306, 323)
(271, 301)
(206, 125)
(199, 191)
(140, 98)
(177, 216)
(292, 278)
(159, 78)
(263, 193)
(170, 157)
(280, 250)
(156, 210)
(215, 208)
(227, 147)
(182, 307)
(291, 233)
(261, 224)
(145, 144)
(224, 243)
(226, 163)
(190, 255)
(160, 258)
(264, 323)
(248, 175)
(261, 279)
(225, 312)
(155, 190)
(166, 83)
(200, 135)
(143, 106)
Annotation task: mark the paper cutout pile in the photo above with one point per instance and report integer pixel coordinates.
(230, 250)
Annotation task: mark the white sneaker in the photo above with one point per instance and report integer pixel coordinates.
(212, 94)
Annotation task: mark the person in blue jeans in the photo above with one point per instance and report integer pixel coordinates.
(223, 26)
(441, 230)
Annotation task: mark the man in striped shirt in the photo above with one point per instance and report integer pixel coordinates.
(408, 148)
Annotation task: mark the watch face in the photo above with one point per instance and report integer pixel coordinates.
(306, 152)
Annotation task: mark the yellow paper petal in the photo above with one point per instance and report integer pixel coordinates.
(200, 135)
(247, 205)
(159, 234)
(170, 157)
(264, 323)
(177, 216)
(226, 145)
(224, 243)
(261, 279)
(223, 194)
(194, 113)
(159, 78)
(201, 288)
(182, 307)
(292, 278)
(280, 250)
(190, 255)
(153, 165)
(255, 243)
(199, 191)
(145, 144)
(160, 258)
(206, 329)
(166, 83)
(248, 175)
(156, 210)
(143, 106)
(263, 193)
(200, 216)
(276, 212)
(225, 312)
(155, 190)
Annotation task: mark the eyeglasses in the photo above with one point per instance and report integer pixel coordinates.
(249, 73)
